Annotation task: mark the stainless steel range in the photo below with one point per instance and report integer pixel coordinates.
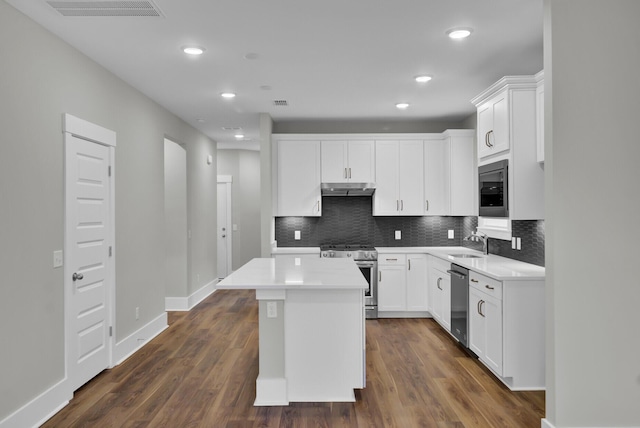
(366, 258)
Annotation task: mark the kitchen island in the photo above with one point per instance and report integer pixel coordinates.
(311, 328)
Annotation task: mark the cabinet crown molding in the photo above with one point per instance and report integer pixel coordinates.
(507, 82)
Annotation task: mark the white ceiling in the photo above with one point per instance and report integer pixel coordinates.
(330, 60)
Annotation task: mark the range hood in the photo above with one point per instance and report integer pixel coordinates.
(347, 189)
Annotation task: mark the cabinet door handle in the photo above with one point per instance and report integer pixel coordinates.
(401, 204)
(474, 280)
(480, 303)
(345, 173)
(489, 287)
(427, 205)
(391, 260)
(397, 205)
(317, 206)
(438, 284)
(489, 138)
(349, 172)
(409, 264)
(379, 276)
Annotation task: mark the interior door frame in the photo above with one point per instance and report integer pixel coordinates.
(227, 180)
(75, 127)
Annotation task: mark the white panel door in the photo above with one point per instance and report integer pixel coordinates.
(224, 229)
(87, 216)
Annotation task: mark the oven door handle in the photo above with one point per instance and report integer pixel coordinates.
(366, 264)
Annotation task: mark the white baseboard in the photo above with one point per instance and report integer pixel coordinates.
(130, 344)
(546, 424)
(40, 409)
(188, 303)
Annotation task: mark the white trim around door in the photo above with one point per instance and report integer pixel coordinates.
(89, 249)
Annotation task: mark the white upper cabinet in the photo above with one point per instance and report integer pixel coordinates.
(348, 161)
(436, 177)
(462, 173)
(298, 178)
(450, 170)
(493, 125)
(399, 178)
(507, 121)
(506, 110)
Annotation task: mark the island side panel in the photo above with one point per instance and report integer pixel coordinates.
(271, 385)
(324, 336)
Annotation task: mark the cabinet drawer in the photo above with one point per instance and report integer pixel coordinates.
(437, 263)
(485, 284)
(392, 259)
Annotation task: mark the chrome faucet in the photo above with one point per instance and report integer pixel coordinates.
(479, 237)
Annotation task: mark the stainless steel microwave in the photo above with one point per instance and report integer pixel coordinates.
(493, 181)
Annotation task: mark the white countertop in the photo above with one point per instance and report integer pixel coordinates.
(497, 267)
(296, 273)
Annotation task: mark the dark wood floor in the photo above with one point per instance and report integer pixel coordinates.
(201, 372)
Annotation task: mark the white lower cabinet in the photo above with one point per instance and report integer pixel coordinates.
(485, 328)
(506, 329)
(417, 293)
(439, 287)
(392, 290)
(402, 285)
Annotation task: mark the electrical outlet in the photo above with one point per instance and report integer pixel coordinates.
(518, 244)
(398, 234)
(513, 242)
(450, 233)
(57, 258)
(137, 312)
(296, 235)
(272, 309)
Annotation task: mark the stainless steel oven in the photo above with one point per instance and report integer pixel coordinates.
(366, 258)
(493, 180)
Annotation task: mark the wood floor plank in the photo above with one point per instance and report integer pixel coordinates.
(201, 372)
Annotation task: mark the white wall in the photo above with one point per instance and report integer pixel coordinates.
(41, 77)
(592, 162)
(175, 217)
(244, 167)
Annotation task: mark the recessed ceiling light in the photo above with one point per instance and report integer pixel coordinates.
(228, 95)
(239, 136)
(193, 50)
(402, 106)
(423, 79)
(459, 33)
(200, 120)
(251, 56)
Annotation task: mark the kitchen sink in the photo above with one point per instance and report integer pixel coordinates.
(466, 256)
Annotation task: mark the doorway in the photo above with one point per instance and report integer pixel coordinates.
(224, 227)
(176, 225)
(89, 268)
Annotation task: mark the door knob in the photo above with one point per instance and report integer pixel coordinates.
(77, 276)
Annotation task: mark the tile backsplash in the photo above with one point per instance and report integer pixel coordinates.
(348, 220)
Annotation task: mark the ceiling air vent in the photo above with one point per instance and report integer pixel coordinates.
(106, 8)
(280, 103)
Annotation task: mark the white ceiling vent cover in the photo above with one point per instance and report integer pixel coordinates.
(106, 8)
(280, 103)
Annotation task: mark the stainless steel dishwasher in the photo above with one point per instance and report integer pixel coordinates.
(459, 303)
